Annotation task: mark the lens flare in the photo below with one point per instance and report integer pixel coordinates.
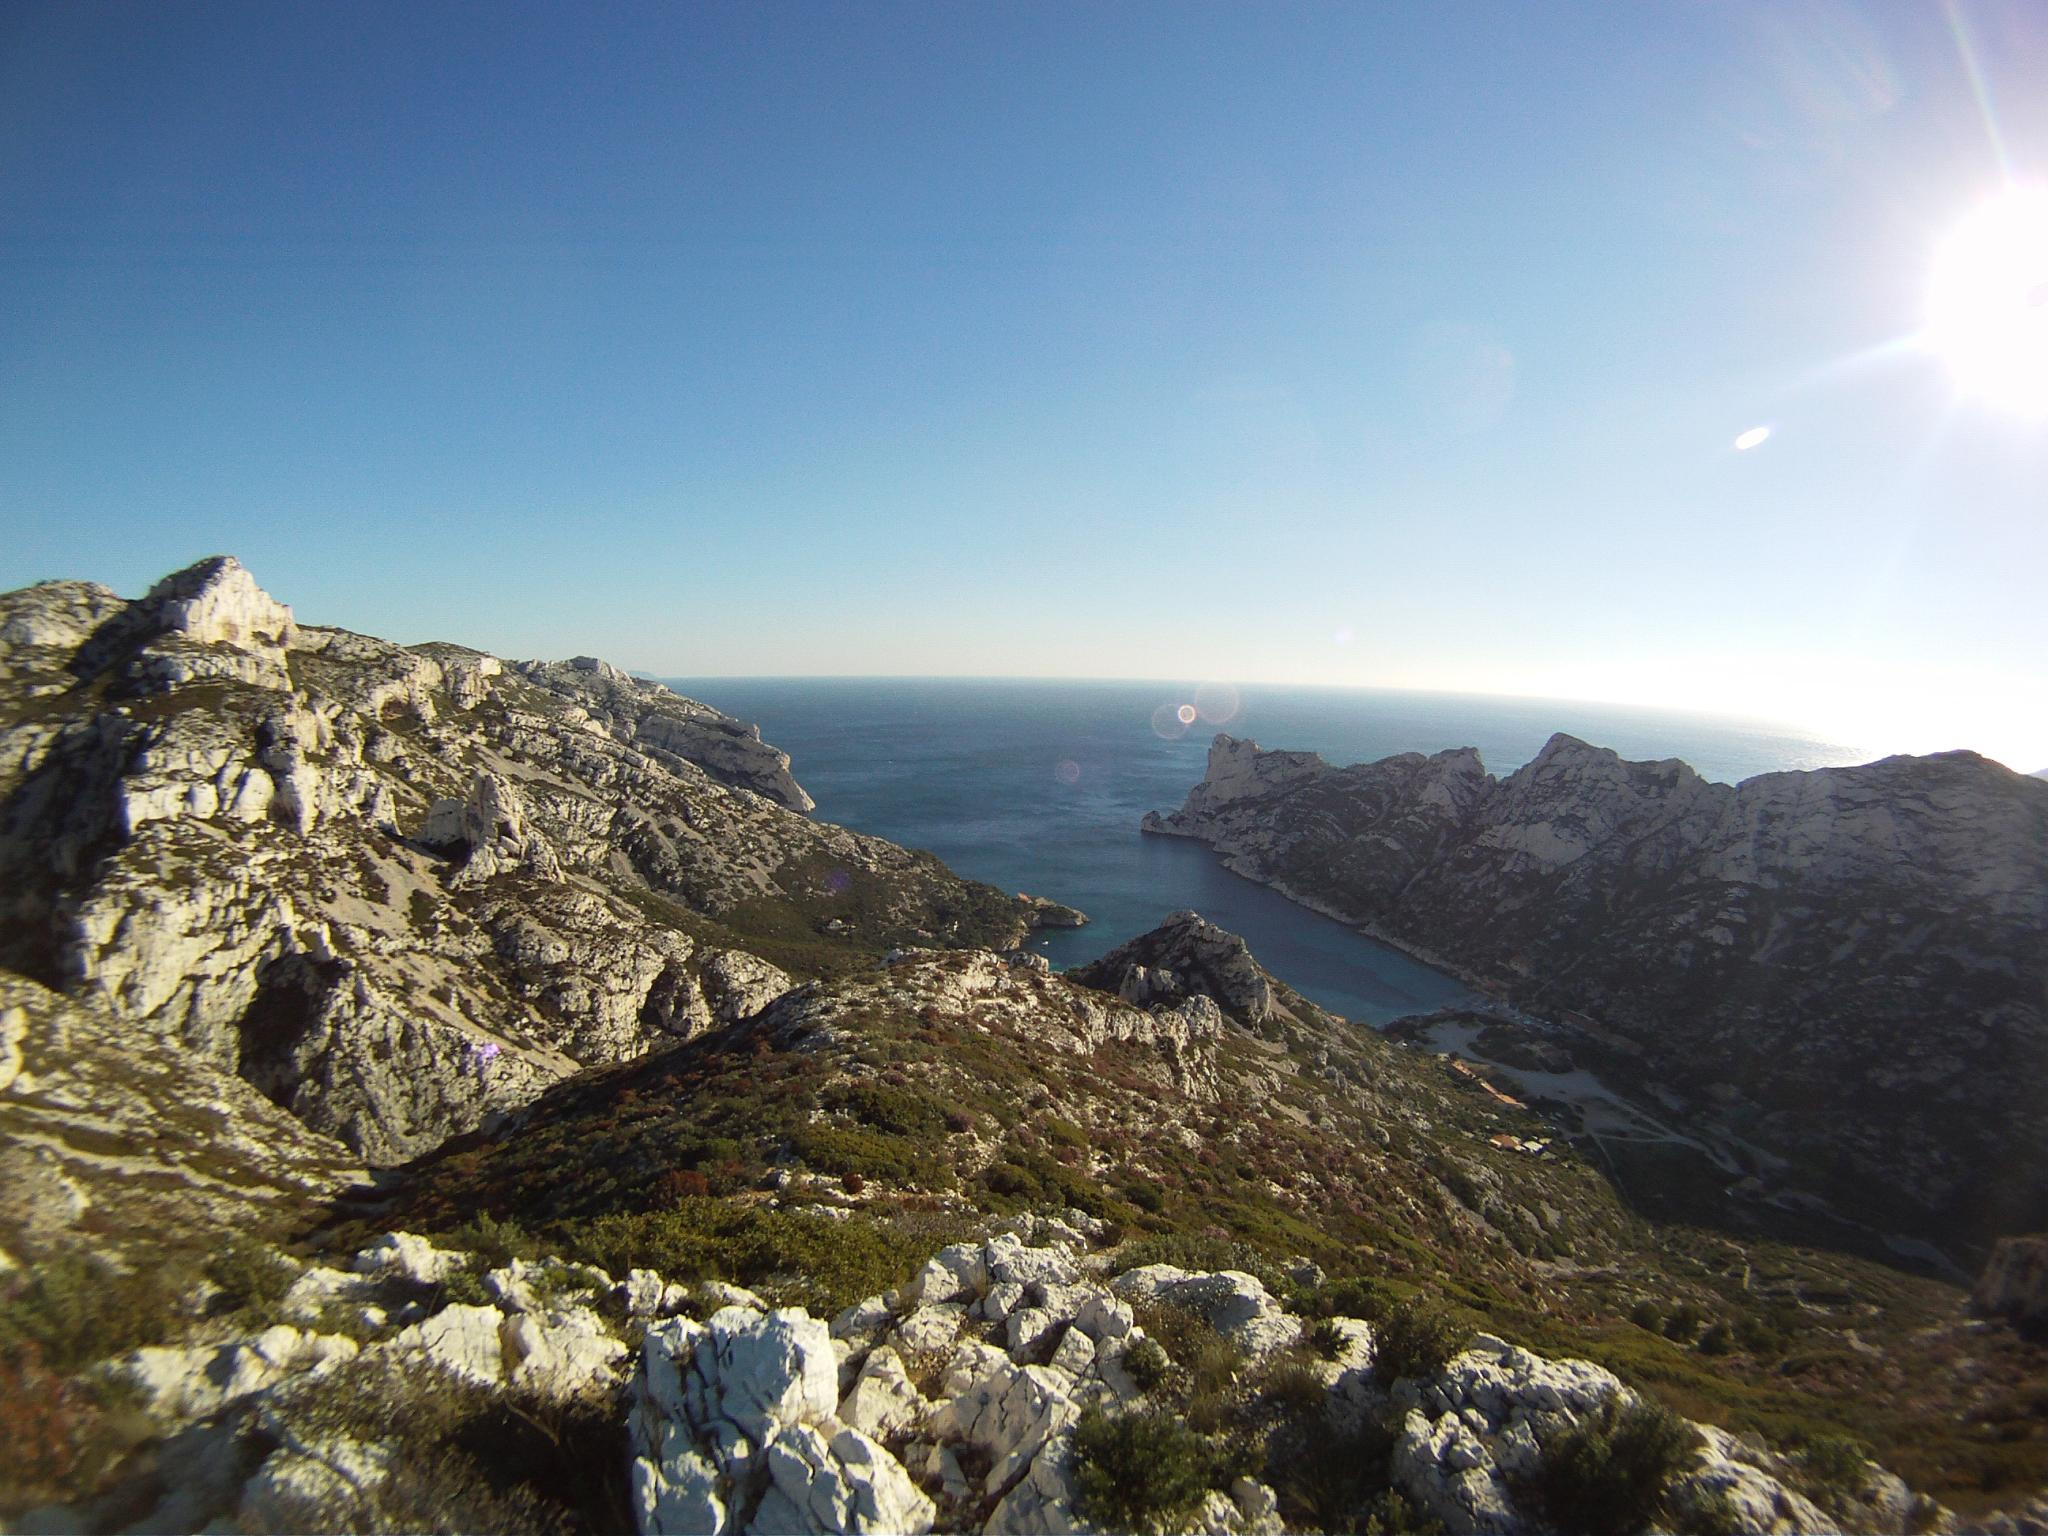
(1068, 771)
(1186, 714)
(1167, 724)
(1217, 703)
(1987, 302)
(1755, 437)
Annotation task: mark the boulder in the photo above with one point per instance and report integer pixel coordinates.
(461, 1340)
(406, 1256)
(192, 1382)
(884, 1400)
(734, 1421)
(2014, 1282)
(561, 1353)
(1237, 1305)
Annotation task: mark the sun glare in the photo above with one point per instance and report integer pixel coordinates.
(1987, 307)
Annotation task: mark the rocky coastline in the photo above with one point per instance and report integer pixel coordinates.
(1843, 966)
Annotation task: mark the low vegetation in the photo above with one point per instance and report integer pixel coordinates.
(1611, 1472)
(1145, 1471)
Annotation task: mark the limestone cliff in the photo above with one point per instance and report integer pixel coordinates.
(401, 889)
(1848, 964)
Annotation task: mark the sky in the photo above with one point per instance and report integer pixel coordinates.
(1391, 345)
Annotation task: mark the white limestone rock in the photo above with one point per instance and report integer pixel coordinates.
(561, 1353)
(847, 1483)
(930, 1329)
(192, 1382)
(1010, 1262)
(735, 1420)
(645, 1294)
(461, 1340)
(314, 1483)
(864, 1321)
(1237, 1305)
(955, 1273)
(217, 602)
(409, 1257)
(884, 1401)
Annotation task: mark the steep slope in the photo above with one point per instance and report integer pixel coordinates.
(402, 889)
(1845, 966)
(818, 1149)
(121, 1143)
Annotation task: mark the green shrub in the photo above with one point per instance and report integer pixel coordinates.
(1416, 1337)
(465, 1457)
(1327, 1472)
(870, 1154)
(465, 1287)
(1327, 1339)
(898, 1111)
(77, 1309)
(1647, 1314)
(1352, 1296)
(251, 1276)
(1835, 1467)
(798, 1257)
(1146, 1363)
(495, 1243)
(1144, 1471)
(1683, 1324)
(1609, 1473)
(1392, 1515)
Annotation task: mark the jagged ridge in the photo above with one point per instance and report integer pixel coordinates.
(1845, 964)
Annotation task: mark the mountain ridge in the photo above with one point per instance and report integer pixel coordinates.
(1853, 937)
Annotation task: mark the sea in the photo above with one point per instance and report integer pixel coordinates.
(1040, 786)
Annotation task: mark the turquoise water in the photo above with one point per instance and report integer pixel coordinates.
(1039, 787)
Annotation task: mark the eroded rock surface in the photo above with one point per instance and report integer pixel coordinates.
(1845, 964)
(401, 889)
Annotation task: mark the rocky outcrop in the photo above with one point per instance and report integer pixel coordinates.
(747, 1417)
(1848, 962)
(2014, 1284)
(665, 724)
(402, 890)
(1047, 913)
(121, 1145)
(1474, 1439)
(1186, 956)
(1009, 995)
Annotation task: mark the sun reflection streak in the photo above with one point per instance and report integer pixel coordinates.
(1980, 87)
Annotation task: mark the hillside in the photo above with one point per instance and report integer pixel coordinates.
(401, 889)
(1843, 968)
(433, 1099)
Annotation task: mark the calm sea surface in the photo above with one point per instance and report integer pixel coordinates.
(1039, 786)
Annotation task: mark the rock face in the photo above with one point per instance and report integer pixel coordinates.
(401, 890)
(1480, 1429)
(1186, 956)
(661, 722)
(2014, 1283)
(1852, 957)
(112, 1140)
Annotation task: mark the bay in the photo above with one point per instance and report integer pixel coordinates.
(1039, 786)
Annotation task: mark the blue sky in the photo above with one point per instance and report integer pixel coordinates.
(1396, 345)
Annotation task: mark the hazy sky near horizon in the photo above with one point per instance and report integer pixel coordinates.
(1399, 345)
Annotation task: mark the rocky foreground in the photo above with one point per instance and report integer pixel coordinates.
(1845, 967)
(973, 1397)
